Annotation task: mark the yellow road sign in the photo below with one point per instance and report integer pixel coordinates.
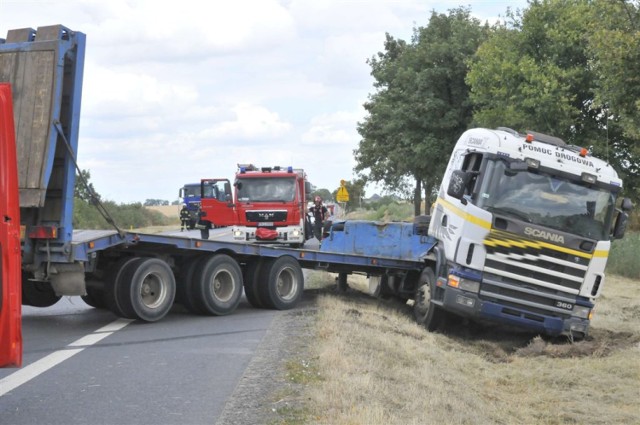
(343, 195)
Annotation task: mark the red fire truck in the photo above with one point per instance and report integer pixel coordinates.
(268, 204)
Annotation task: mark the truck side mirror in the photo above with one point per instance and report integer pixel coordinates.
(621, 225)
(458, 183)
(622, 220)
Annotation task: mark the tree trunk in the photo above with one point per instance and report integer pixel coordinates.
(427, 198)
(417, 197)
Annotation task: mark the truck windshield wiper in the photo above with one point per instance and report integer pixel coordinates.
(511, 212)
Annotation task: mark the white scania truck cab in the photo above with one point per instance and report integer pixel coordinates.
(525, 223)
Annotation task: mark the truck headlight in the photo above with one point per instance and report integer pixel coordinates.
(464, 284)
(582, 312)
(237, 233)
(295, 233)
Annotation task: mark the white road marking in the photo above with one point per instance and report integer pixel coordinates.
(29, 372)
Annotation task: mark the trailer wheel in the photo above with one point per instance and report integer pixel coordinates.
(95, 295)
(111, 285)
(146, 289)
(251, 275)
(185, 287)
(218, 287)
(282, 283)
(384, 291)
(425, 312)
(38, 294)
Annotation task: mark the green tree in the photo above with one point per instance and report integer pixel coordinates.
(567, 68)
(155, 202)
(83, 188)
(421, 104)
(323, 193)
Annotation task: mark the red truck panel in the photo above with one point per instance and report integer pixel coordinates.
(10, 267)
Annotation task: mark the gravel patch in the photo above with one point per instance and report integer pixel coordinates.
(265, 390)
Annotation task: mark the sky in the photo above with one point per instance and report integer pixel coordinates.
(176, 91)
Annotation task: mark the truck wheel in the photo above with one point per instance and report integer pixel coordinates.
(384, 291)
(218, 288)
(282, 283)
(146, 289)
(110, 285)
(38, 294)
(185, 286)
(95, 295)
(251, 275)
(425, 312)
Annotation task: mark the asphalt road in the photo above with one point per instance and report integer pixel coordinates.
(180, 370)
(86, 366)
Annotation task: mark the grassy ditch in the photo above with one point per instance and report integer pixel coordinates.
(372, 364)
(623, 259)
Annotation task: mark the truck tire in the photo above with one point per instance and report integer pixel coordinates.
(218, 285)
(95, 294)
(425, 312)
(38, 294)
(251, 275)
(185, 287)
(146, 289)
(110, 285)
(281, 283)
(384, 291)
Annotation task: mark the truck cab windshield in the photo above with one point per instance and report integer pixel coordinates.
(191, 190)
(273, 189)
(547, 200)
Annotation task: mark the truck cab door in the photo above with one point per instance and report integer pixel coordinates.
(216, 203)
(10, 263)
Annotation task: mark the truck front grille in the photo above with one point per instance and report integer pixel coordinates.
(534, 275)
(262, 216)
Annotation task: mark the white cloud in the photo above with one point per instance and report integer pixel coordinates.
(337, 128)
(252, 122)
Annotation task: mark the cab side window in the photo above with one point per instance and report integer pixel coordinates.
(471, 164)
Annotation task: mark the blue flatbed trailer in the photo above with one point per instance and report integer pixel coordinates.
(87, 243)
(140, 275)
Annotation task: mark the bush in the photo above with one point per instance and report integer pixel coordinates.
(393, 211)
(623, 258)
(86, 216)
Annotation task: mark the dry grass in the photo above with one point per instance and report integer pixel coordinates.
(377, 366)
(172, 211)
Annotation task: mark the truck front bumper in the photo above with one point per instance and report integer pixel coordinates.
(469, 304)
(290, 235)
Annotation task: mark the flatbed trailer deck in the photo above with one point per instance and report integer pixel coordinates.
(139, 275)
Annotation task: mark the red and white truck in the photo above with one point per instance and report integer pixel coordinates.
(267, 204)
